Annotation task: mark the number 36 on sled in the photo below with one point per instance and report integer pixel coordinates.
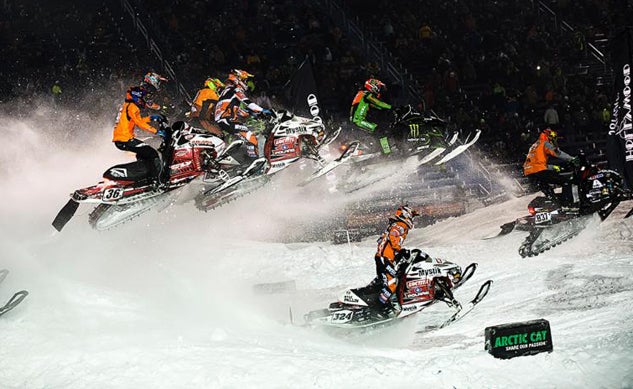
(128, 190)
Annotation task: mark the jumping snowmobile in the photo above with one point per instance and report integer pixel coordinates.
(288, 139)
(411, 134)
(427, 135)
(127, 189)
(422, 281)
(553, 219)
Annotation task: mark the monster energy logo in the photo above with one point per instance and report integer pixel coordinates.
(414, 130)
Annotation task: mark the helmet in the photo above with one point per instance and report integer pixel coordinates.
(375, 86)
(551, 135)
(137, 95)
(213, 83)
(406, 214)
(152, 80)
(238, 78)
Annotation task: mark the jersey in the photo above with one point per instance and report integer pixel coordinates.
(360, 108)
(229, 106)
(129, 116)
(540, 151)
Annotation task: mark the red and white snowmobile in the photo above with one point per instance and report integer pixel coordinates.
(422, 281)
(127, 189)
(288, 138)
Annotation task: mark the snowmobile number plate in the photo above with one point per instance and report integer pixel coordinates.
(112, 194)
(542, 217)
(344, 316)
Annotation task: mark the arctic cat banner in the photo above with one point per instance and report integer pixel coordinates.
(516, 339)
(620, 137)
(303, 92)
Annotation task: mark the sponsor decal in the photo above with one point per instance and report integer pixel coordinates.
(118, 172)
(429, 272)
(283, 141)
(409, 308)
(414, 130)
(350, 298)
(277, 165)
(622, 122)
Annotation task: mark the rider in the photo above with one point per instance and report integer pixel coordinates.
(387, 256)
(539, 172)
(203, 106)
(128, 118)
(365, 99)
(229, 113)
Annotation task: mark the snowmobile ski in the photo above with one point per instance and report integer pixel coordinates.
(459, 149)
(483, 292)
(329, 138)
(15, 299)
(439, 150)
(65, 214)
(505, 230)
(328, 167)
(253, 168)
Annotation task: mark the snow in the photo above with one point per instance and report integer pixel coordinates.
(167, 301)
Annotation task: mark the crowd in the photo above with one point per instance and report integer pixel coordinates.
(67, 52)
(497, 66)
(502, 67)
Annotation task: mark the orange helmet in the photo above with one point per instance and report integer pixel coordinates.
(406, 214)
(375, 86)
(238, 78)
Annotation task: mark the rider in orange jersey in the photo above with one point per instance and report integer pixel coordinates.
(128, 118)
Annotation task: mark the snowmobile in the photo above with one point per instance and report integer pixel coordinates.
(128, 191)
(411, 134)
(427, 135)
(288, 138)
(422, 282)
(555, 218)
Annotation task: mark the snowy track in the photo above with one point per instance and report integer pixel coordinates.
(166, 300)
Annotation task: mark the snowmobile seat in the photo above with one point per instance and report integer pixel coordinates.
(132, 171)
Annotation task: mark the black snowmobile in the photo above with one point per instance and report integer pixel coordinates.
(557, 217)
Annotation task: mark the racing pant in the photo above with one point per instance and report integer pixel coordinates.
(143, 151)
(241, 131)
(545, 178)
(358, 118)
(386, 278)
